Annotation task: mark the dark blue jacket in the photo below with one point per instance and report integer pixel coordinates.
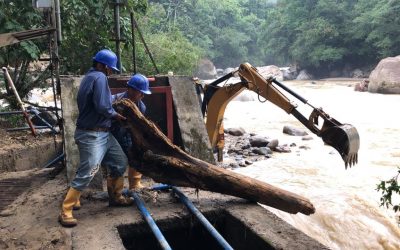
(94, 101)
(120, 133)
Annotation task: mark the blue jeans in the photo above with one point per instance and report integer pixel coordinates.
(96, 149)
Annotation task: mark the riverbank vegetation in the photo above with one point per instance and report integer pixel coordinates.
(390, 189)
(318, 35)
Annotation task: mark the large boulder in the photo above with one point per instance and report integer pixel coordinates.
(229, 70)
(271, 70)
(361, 86)
(220, 72)
(304, 75)
(206, 70)
(357, 73)
(385, 78)
(289, 73)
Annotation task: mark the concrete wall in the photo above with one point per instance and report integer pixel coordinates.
(69, 90)
(192, 127)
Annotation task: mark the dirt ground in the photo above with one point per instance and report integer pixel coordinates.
(18, 139)
(30, 221)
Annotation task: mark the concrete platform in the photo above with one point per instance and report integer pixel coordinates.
(30, 222)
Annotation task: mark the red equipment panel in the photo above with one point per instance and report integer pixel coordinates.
(159, 104)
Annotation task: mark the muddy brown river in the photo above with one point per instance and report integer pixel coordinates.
(348, 215)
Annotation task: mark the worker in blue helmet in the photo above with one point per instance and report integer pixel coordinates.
(96, 144)
(106, 58)
(137, 87)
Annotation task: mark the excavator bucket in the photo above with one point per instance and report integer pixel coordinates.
(344, 138)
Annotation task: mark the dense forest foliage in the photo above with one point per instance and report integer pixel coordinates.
(318, 35)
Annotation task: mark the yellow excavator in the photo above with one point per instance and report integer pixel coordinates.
(343, 137)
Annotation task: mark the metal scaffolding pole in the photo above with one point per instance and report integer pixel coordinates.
(117, 4)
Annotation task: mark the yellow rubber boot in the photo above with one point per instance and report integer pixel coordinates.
(134, 178)
(115, 197)
(77, 205)
(65, 218)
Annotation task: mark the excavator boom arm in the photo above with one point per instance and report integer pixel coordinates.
(343, 137)
(264, 88)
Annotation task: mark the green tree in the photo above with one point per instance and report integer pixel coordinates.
(389, 189)
(277, 33)
(328, 34)
(81, 42)
(376, 26)
(171, 52)
(309, 33)
(226, 30)
(16, 16)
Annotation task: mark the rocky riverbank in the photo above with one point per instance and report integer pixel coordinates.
(242, 148)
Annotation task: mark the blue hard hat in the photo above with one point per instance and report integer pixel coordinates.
(140, 83)
(107, 57)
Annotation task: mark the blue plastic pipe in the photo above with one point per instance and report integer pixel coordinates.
(25, 128)
(147, 217)
(203, 220)
(58, 158)
(161, 187)
(36, 113)
(185, 200)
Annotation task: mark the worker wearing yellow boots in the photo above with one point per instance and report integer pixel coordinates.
(137, 87)
(97, 146)
(134, 179)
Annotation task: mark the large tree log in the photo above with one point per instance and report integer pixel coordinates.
(155, 156)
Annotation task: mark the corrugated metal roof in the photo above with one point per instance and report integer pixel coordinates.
(16, 37)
